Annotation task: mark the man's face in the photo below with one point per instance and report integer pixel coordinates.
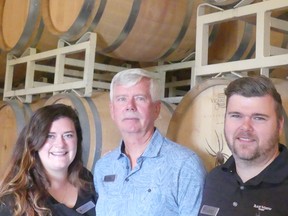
(132, 108)
(251, 127)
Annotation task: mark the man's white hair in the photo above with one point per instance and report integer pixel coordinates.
(131, 77)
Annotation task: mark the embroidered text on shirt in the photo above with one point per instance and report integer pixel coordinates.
(262, 208)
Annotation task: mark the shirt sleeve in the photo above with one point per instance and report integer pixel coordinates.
(191, 184)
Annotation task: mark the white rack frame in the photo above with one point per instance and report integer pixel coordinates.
(266, 56)
(87, 43)
(161, 71)
(82, 83)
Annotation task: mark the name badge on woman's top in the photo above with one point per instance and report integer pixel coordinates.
(86, 207)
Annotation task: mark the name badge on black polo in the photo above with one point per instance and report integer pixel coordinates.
(86, 207)
(209, 210)
(109, 178)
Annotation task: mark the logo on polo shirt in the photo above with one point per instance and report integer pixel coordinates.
(262, 208)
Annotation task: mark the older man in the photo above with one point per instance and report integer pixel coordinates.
(147, 174)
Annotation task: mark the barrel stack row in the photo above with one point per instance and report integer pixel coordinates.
(138, 31)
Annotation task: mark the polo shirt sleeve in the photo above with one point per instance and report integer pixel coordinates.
(191, 184)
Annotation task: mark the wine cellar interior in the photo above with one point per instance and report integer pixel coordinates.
(194, 47)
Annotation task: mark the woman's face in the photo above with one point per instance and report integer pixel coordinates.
(60, 147)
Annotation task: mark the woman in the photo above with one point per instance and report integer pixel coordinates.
(46, 175)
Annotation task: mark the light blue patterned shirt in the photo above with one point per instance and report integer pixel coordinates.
(167, 180)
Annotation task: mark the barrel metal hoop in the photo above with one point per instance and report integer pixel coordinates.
(39, 34)
(168, 106)
(27, 109)
(126, 29)
(83, 117)
(228, 4)
(248, 30)
(98, 15)
(98, 130)
(182, 32)
(28, 29)
(18, 114)
(80, 21)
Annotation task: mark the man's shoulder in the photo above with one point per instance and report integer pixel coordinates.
(109, 156)
(178, 155)
(217, 173)
(176, 148)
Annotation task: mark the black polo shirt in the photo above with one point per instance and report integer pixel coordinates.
(265, 194)
(85, 204)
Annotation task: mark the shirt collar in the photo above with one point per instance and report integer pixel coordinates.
(275, 173)
(152, 149)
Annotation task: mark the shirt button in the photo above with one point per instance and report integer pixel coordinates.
(127, 179)
(149, 190)
(242, 187)
(127, 167)
(235, 204)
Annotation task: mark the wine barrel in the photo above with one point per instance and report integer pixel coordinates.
(132, 30)
(120, 32)
(100, 134)
(14, 115)
(2, 68)
(198, 120)
(282, 87)
(230, 41)
(68, 19)
(22, 27)
(236, 39)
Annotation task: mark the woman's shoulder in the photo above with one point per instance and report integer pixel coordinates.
(6, 205)
(4, 210)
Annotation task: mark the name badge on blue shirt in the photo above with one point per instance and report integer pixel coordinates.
(86, 207)
(109, 178)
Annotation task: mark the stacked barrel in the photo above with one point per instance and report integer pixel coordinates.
(139, 31)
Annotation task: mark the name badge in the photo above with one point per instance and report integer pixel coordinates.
(86, 207)
(109, 178)
(209, 210)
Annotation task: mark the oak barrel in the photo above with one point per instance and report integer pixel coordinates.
(132, 30)
(231, 41)
(236, 39)
(22, 27)
(14, 115)
(2, 67)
